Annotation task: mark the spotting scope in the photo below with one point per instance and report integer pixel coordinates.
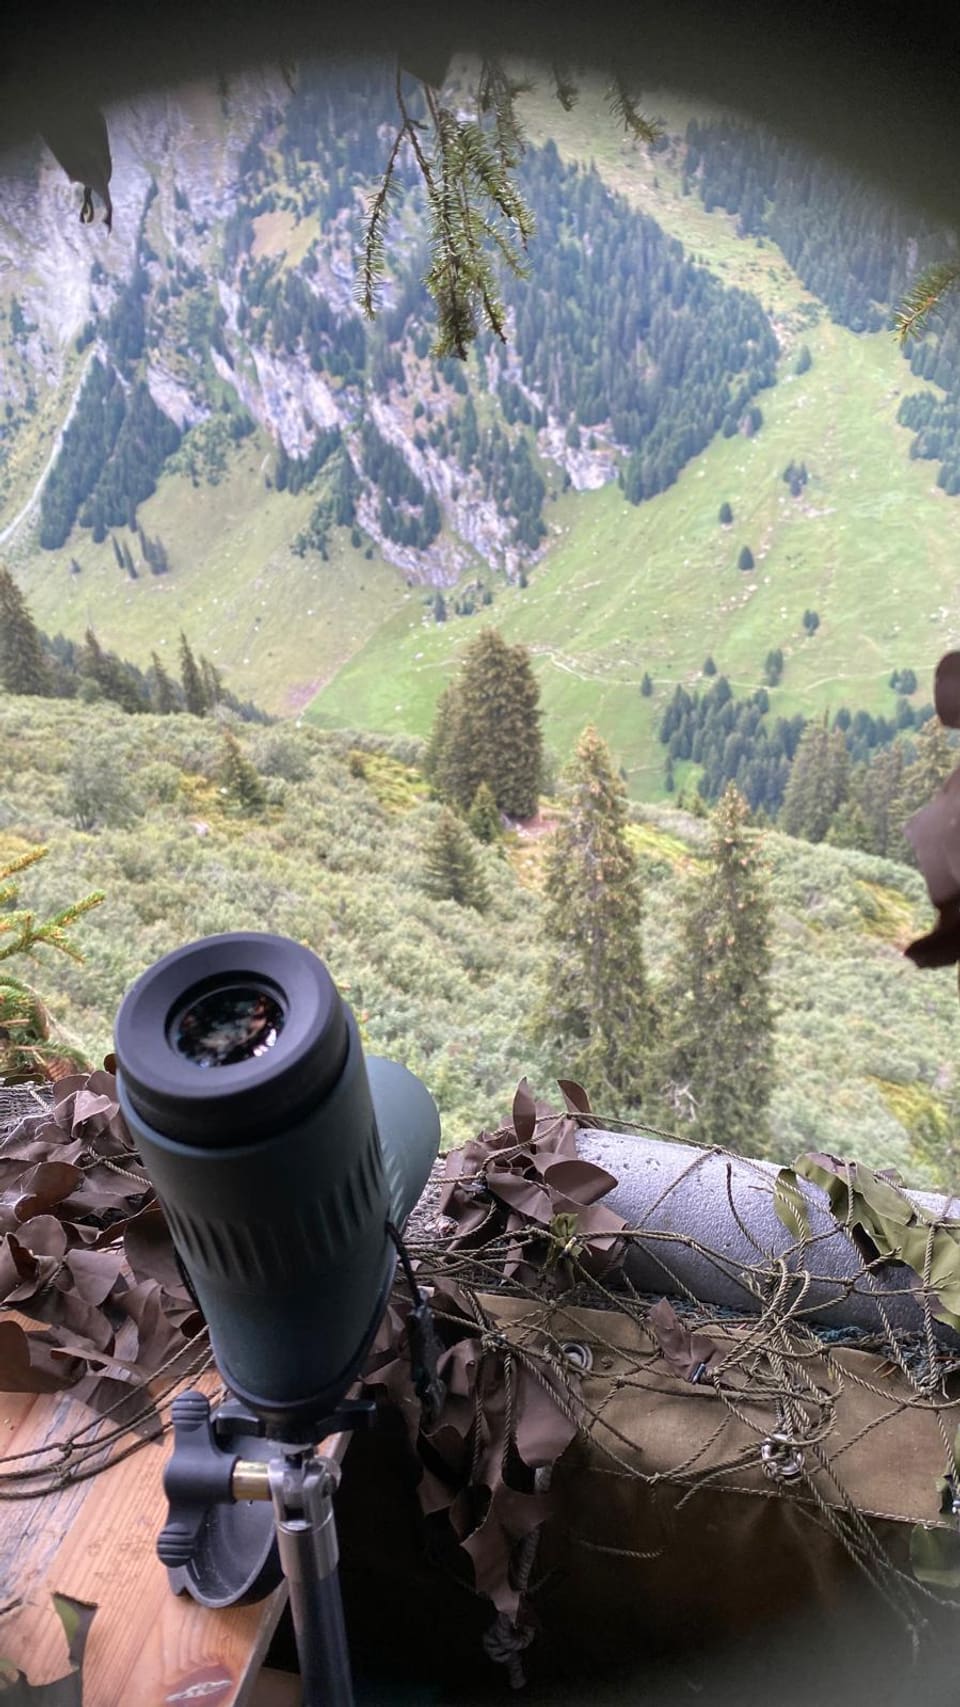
(286, 1165)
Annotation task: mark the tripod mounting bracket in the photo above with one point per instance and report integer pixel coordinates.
(203, 1472)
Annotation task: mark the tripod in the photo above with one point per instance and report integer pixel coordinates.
(219, 1567)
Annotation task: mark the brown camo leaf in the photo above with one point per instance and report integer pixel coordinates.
(524, 1112)
(26, 1364)
(685, 1350)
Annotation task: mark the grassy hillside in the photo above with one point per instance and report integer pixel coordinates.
(621, 590)
(280, 625)
(624, 589)
(337, 862)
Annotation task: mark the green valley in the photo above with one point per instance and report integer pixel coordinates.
(344, 625)
(626, 589)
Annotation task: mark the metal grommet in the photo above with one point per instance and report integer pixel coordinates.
(780, 1459)
(578, 1354)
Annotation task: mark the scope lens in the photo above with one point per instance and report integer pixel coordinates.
(226, 1026)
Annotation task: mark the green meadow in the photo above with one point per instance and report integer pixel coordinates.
(622, 589)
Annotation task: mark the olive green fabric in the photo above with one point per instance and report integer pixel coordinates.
(886, 1450)
(736, 1569)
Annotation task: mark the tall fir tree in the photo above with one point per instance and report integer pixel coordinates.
(487, 729)
(163, 694)
(112, 677)
(596, 1008)
(194, 692)
(452, 870)
(818, 784)
(23, 666)
(212, 682)
(239, 779)
(849, 828)
(878, 790)
(935, 757)
(717, 1064)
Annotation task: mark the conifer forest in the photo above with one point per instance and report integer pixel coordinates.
(556, 658)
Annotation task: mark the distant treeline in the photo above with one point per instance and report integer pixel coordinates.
(86, 670)
(853, 779)
(616, 327)
(35, 664)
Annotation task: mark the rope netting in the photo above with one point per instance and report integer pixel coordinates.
(698, 1353)
(531, 1272)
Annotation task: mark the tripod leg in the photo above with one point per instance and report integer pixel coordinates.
(309, 1554)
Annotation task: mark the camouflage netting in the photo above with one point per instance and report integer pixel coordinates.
(91, 1295)
(578, 1404)
(584, 1426)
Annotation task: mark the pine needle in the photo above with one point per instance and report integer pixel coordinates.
(564, 87)
(624, 107)
(924, 297)
(477, 214)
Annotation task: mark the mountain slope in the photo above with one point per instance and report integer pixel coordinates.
(227, 289)
(338, 862)
(869, 545)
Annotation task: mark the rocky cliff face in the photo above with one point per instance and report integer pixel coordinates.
(180, 177)
(47, 258)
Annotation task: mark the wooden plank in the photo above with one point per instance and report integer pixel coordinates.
(96, 1540)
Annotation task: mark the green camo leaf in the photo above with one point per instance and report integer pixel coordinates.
(788, 1201)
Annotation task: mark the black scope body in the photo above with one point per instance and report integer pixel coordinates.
(279, 1153)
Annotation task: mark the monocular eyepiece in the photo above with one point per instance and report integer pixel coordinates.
(231, 1039)
(226, 1025)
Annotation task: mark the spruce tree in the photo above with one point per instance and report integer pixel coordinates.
(596, 1009)
(212, 682)
(745, 560)
(487, 729)
(239, 778)
(112, 677)
(646, 685)
(23, 666)
(773, 667)
(484, 819)
(163, 694)
(193, 690)
(849, 828)
(725, 515)
(435, 759)
(935, 757)
(452, 871)
(717, 1065)
(818, 783)
(879, 792)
